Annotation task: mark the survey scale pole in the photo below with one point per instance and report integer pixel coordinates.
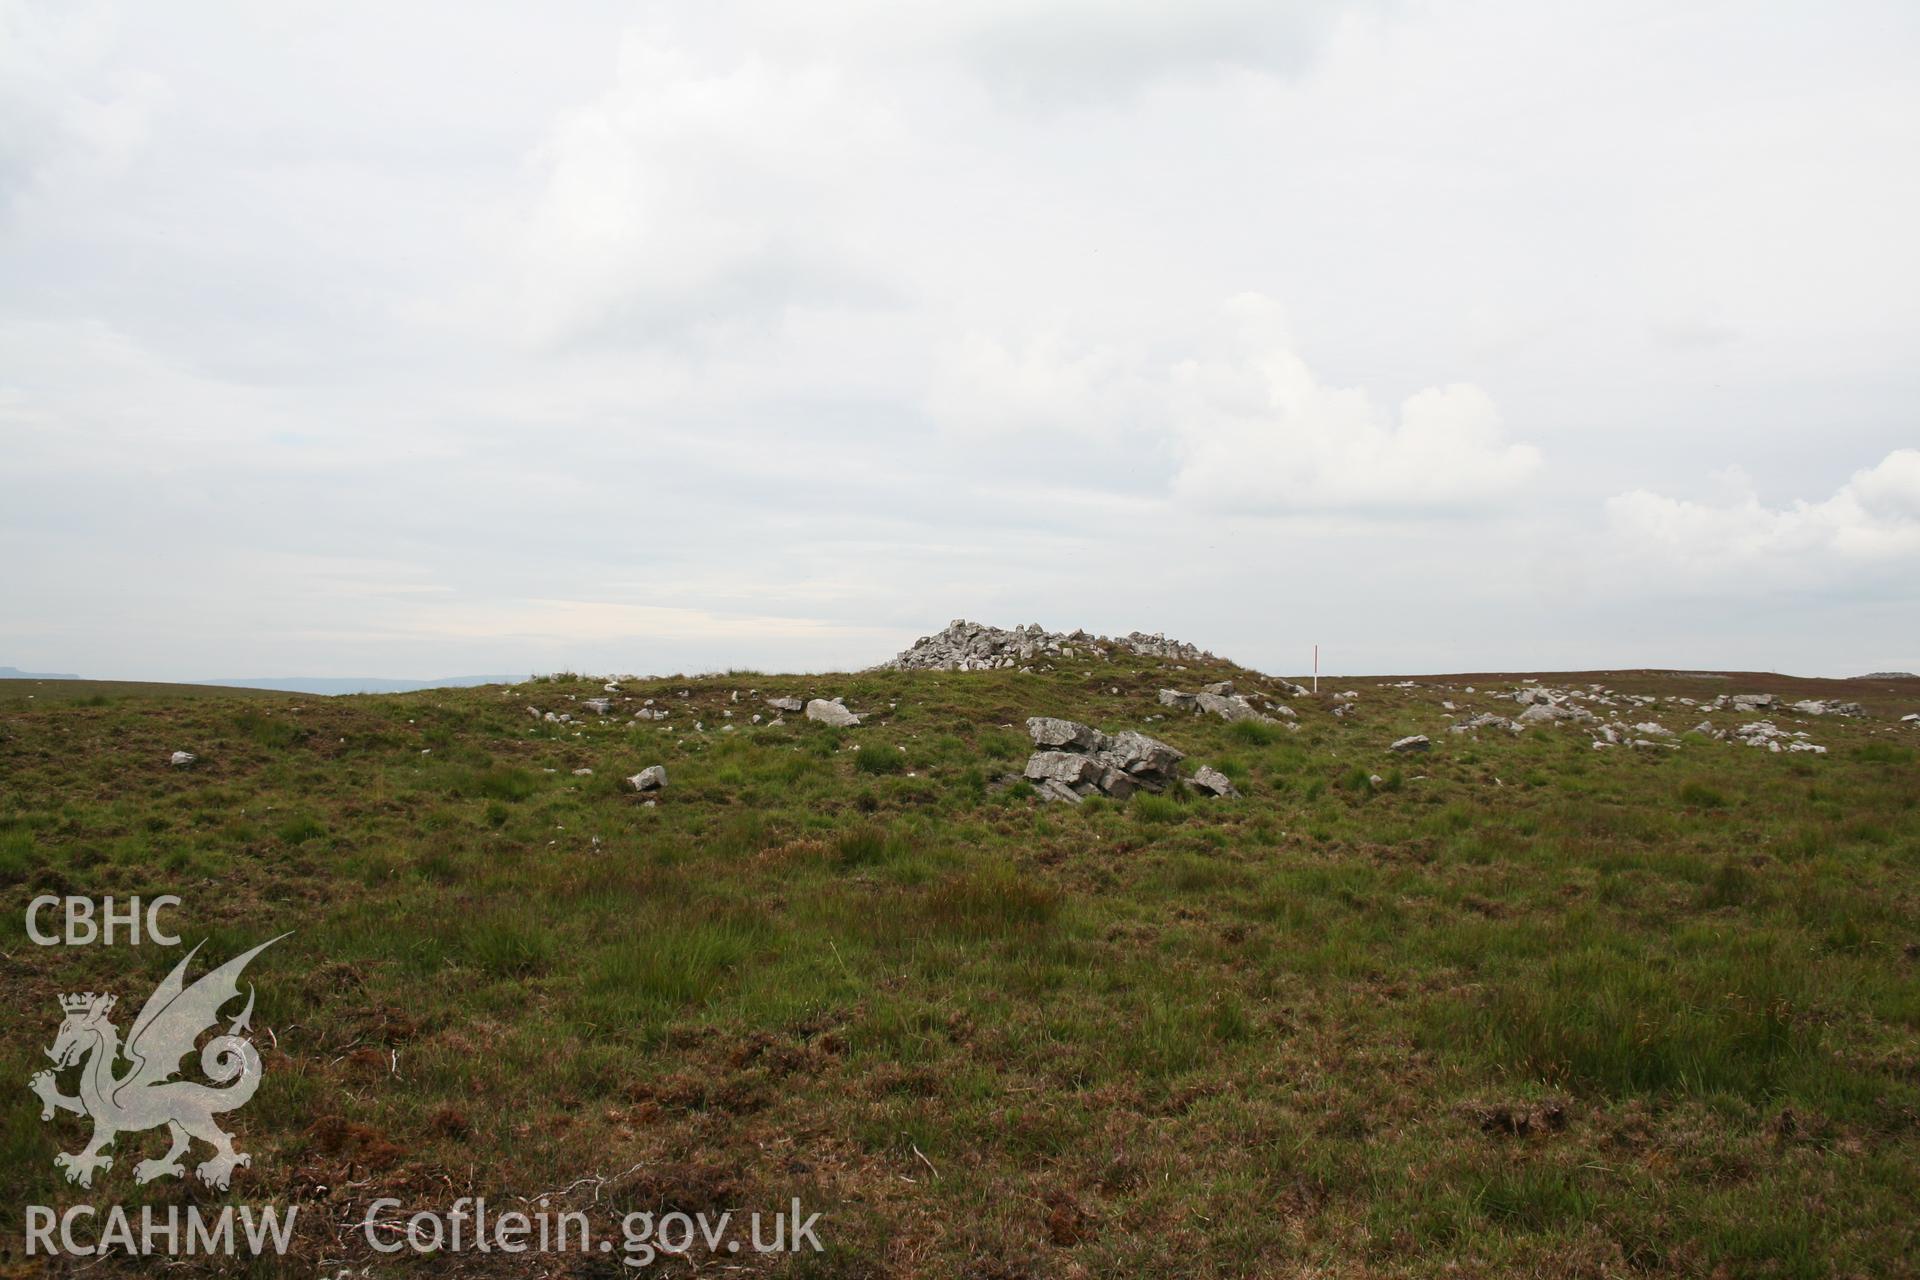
(1316, 668)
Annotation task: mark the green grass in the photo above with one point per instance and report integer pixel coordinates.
(102, 693)
(1519, 1008)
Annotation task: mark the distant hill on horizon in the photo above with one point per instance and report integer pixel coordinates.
(334, 685)
(324, 685)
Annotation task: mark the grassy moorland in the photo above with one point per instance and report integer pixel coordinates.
(99, 693)
(1517, 1007)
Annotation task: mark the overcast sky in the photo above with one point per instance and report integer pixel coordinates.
(430, 339)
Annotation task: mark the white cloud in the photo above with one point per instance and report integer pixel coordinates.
(1246, 427)
(577, 621)
(1080, 50)
(988, 388)
(1260, 433)
(58, 112)
(691, 190)
(1871, 519)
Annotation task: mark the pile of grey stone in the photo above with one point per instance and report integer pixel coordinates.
(974, 646)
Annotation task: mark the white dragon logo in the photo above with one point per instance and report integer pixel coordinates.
(145, 1095)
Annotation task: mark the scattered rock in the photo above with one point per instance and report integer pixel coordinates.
(583, 773)
(1415, 742)
(599, 706)
(786, 704)
(1211, 782)
(1548, 712)
(181, 759)
(651, 778)
(1764, 733)
(1229, 707)
(1484, 720)
(1829, 707)
(831, 713)
(1219, 699)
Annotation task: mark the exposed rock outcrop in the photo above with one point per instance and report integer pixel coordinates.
(1829, 707)
(1070, 735)
(1077, 760)
(1764, 733)
(1220, 699)
(1548, 712)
